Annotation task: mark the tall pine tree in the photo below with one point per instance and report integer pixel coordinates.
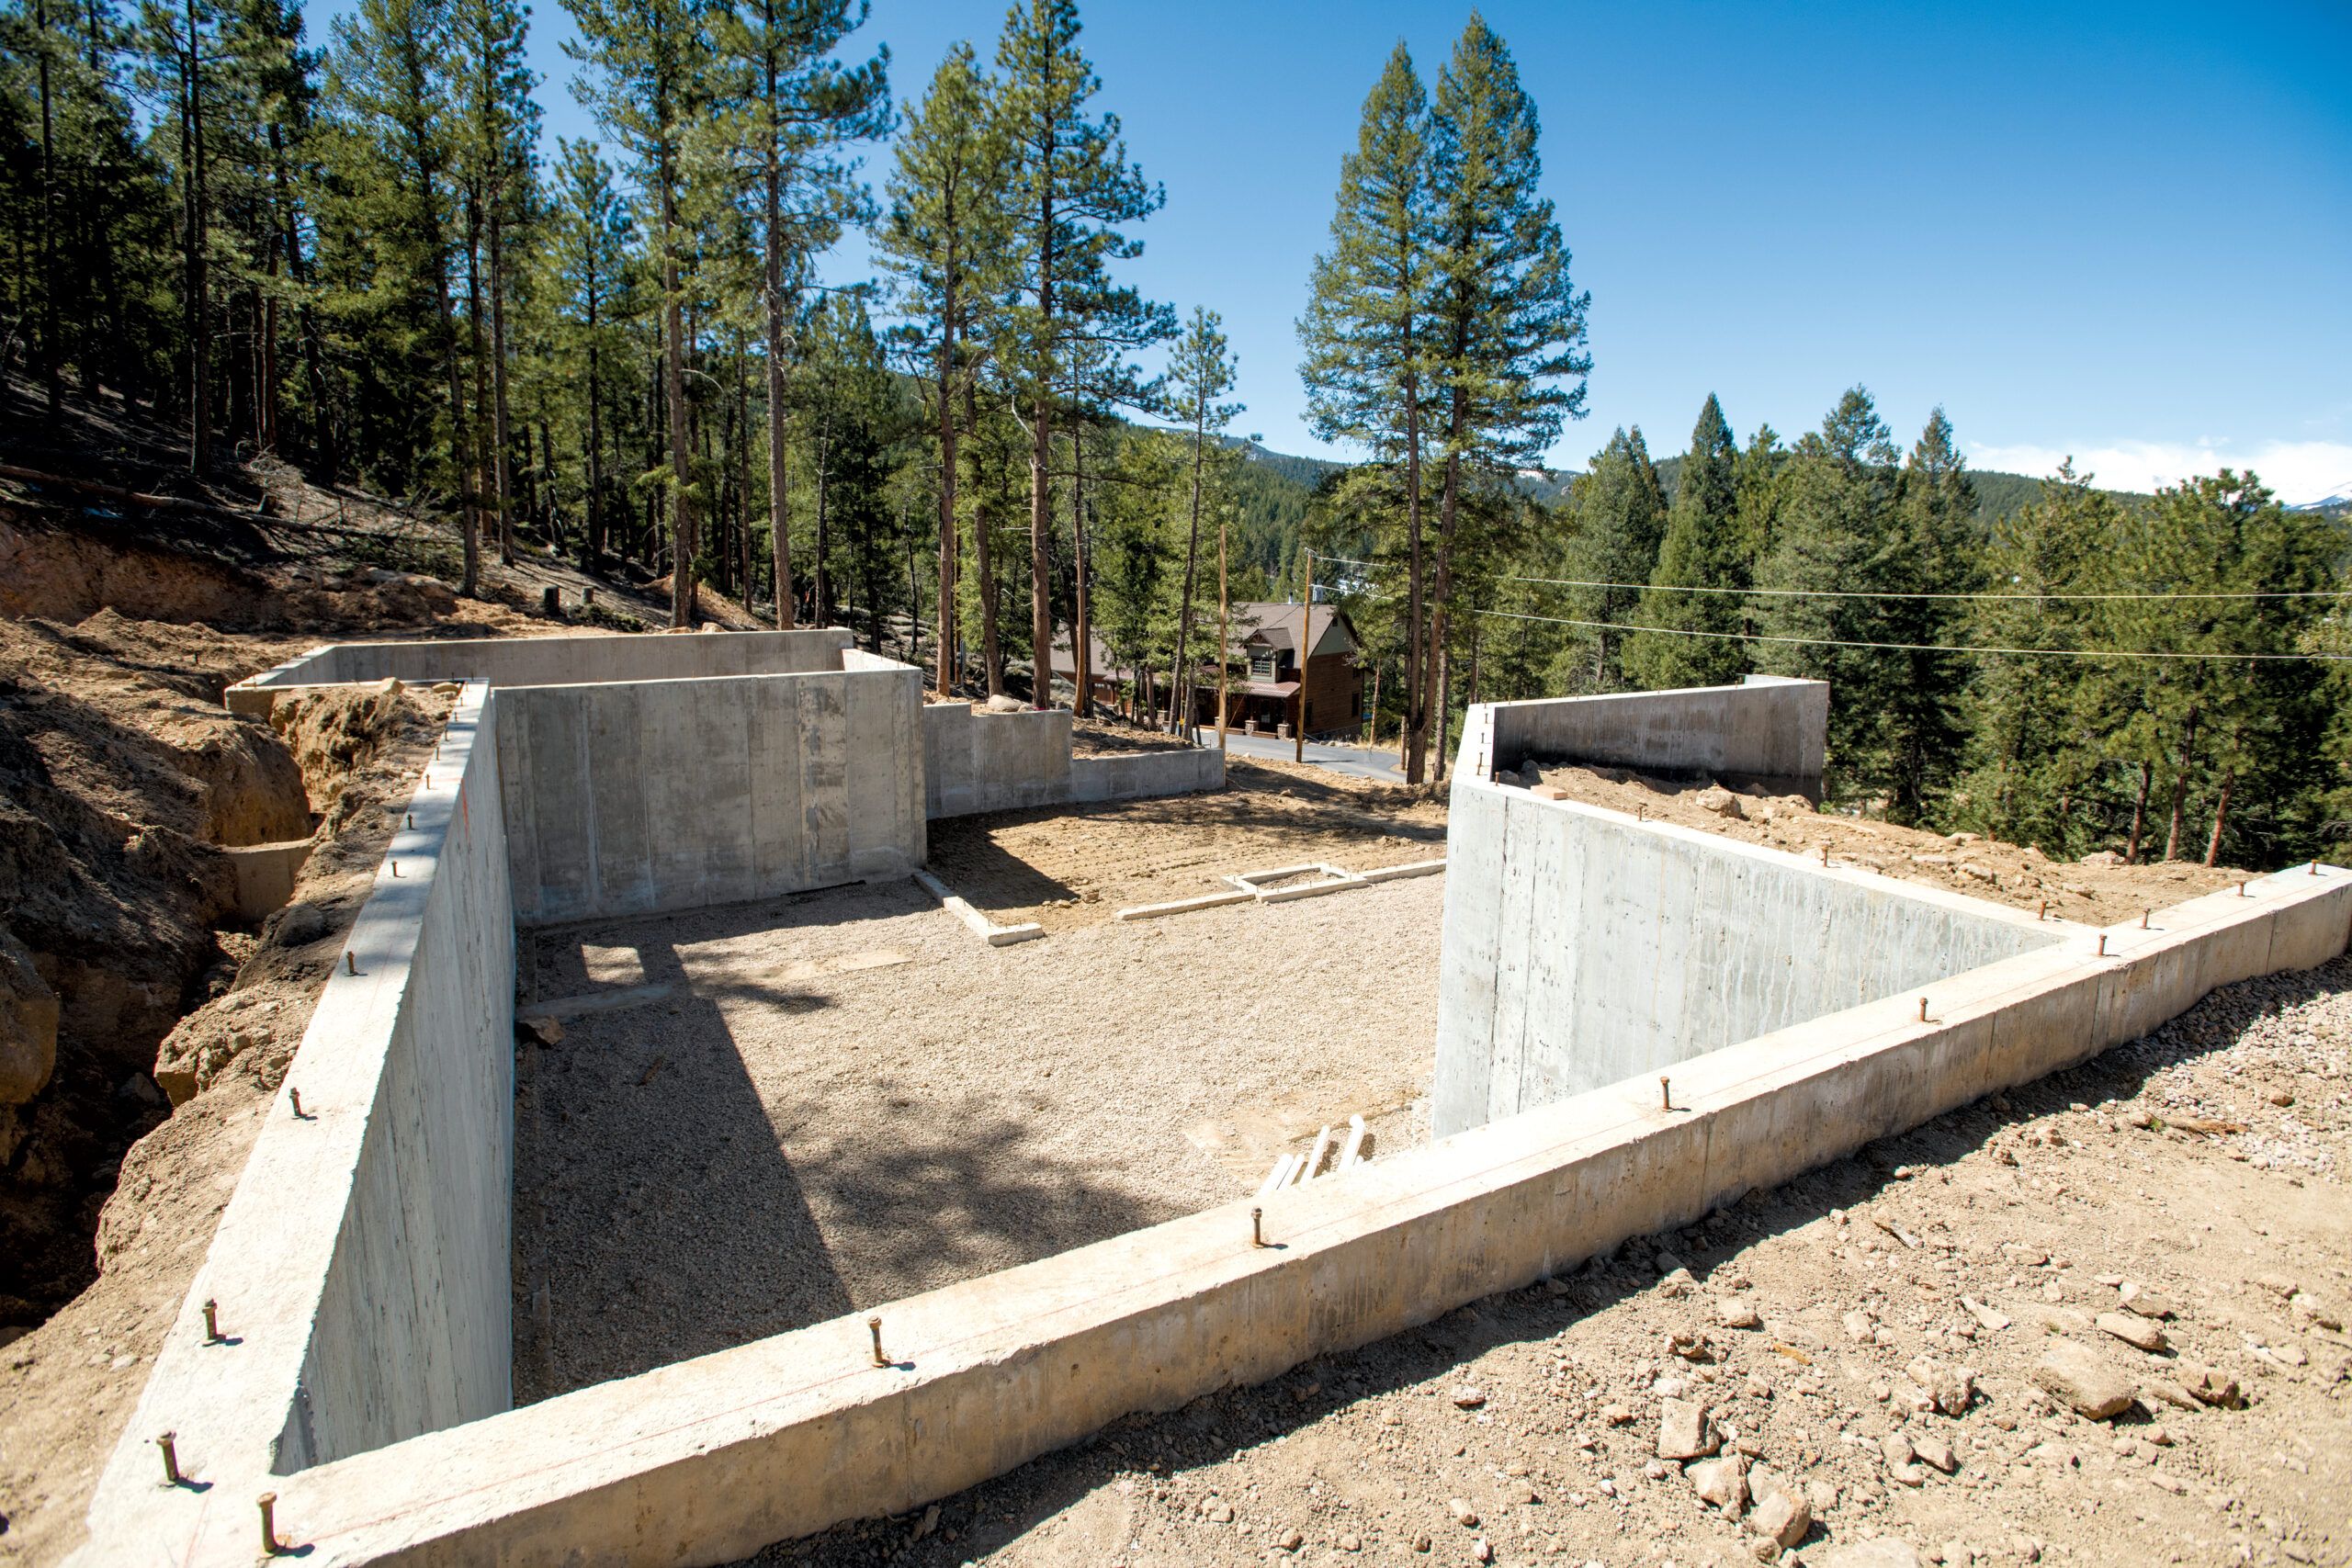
(1702, 551)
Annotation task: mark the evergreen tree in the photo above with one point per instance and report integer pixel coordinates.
(1702, 550)
(1838, 530)
(2026, 762)
(1365, 332)
(1201, 372)
(1935, 558)
(792, 111)
(590, 235)
(1619, 520)
(650, 60)
(497, 147)
(1071, 189)
(1507, 324)
(943, 240)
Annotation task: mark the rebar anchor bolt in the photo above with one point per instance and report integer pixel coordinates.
(1664, 1093)
(874, 1326)
(172, 1476)
(270, 1545)
(1923, 1009)
(1257, 1227)
(212, 1335)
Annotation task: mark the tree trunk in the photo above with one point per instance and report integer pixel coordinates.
(1372, 718)
(779, 512)
(2221, 816)
(673, 377)
(1182, 668)
(823, 587)
(501, 436)
(1445, 694)
(1417, 717)
(2138, 815)
(1041, 609)
(946, 618)
(991, 652)
(1081, 660)
(593, 552)
(2181, 784)
(467, 524)
(198, 312)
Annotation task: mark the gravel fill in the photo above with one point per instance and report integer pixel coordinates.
(845, 1099)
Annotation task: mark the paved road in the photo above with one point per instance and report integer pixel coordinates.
(1354, 760)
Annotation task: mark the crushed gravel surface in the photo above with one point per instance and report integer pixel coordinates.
(845, 1099)
(1805, 1335)
(1065, 868)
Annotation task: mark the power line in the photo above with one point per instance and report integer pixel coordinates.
(1926, 647)
(1867, 593)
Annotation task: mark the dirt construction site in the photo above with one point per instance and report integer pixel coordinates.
(1133, 1176)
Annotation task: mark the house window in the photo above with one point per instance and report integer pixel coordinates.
(1262, 666)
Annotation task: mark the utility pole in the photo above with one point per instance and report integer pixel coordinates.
(1223, 646)
(1305, 646)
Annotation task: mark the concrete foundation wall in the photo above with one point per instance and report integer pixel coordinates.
(648, 795)
(1768, 726)
(975, 761)
(586, 659)
(706, 1461)
(1583, 947)
(360, 1269)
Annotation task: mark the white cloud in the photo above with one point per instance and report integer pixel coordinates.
(2300, 471)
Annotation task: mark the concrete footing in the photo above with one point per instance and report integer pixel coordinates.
(359, 1276)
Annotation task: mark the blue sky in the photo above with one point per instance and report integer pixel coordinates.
(2119, 233)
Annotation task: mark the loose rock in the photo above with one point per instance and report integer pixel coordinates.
(2083, 1381)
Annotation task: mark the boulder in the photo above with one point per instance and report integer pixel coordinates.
(1684, 1431)
(1721, 1482)
(1781, 1519)
(2075, 1376)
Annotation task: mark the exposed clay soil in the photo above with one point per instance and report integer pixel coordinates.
(67, 1385)
(2018, 875)
(1065, 868)
(1527, 1427)
(845, 1098)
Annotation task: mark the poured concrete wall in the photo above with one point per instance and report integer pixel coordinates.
(586, 659)
(706, 1461)
(1768, 726)
(360, 1267)
(1582, 946)
(975, 761)
(648, 795)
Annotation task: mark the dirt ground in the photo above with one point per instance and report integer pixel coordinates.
(1812, 1323)
(67, 1384)
(2089, 891)
(837, 1101)
(1067, 868)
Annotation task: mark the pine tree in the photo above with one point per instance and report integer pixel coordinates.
(1364, 331)
(1070, 190)
(589, 237)
(1507, 324)
(1936, 556)
(793, 111)
(1838, 530)
(649, 57)
(1201, 372)
(497, 144)
(2026, 765)
(1702, 550)
(943, 241)
(1619, 517)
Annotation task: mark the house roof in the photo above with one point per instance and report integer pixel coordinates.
(1099, 663)
(1265, 623)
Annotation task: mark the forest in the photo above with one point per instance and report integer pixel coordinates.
(359, 253)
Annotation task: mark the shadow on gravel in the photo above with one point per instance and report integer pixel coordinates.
(1222, 1426)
